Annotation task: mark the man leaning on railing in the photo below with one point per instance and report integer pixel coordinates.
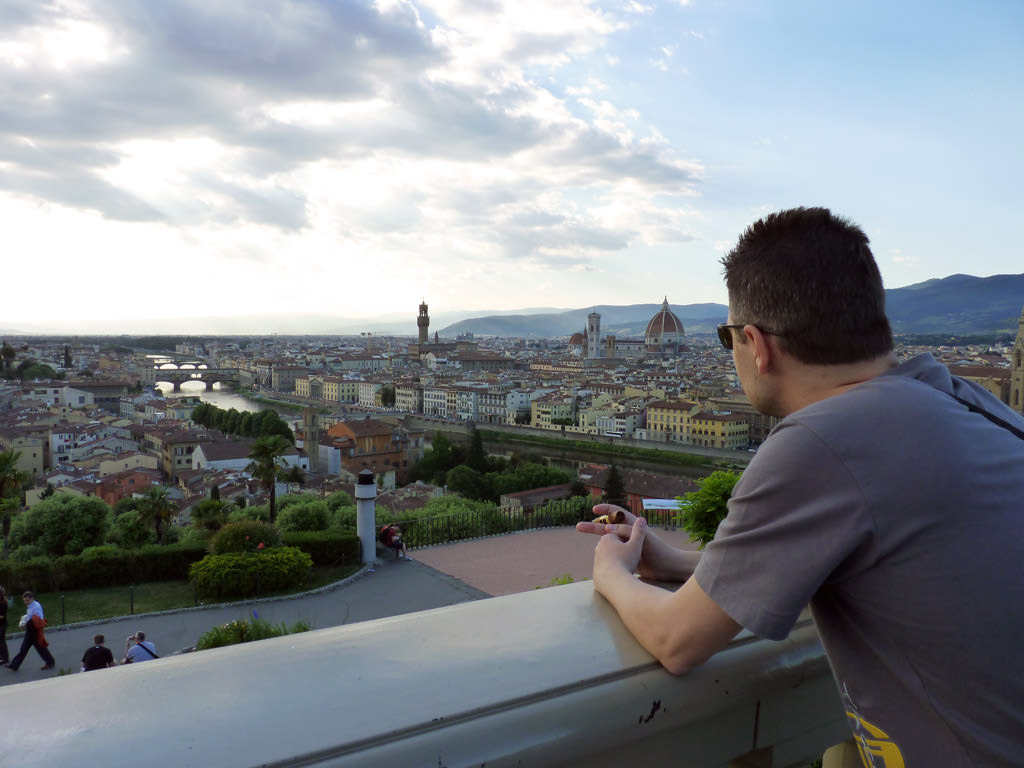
(888, 497)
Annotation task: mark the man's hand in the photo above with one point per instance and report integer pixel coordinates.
(614, 554)
(658, 561)
(622, 529)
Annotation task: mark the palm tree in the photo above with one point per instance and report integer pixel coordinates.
(156, 505)
(12, 479)
(266, 465)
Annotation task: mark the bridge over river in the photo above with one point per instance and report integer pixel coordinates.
(178, 374)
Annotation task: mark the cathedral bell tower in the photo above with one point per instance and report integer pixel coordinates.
(1017, 368)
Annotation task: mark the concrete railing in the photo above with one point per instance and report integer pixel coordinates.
(544, 678)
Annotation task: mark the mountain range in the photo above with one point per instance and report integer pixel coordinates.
(955, 305)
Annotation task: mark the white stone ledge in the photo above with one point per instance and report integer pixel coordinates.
(544, 678)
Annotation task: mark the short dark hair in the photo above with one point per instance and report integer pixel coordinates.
(810, 277)
(98, 639)
(140, 636)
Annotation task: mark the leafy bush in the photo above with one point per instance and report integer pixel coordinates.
(27, 552)
(63, 524)
(241, 631)
(706, 507)
(339, 499)
(130, 529)
(239, 574)
(244, 536)
(325, 547)
(283, 502)
(304, 516)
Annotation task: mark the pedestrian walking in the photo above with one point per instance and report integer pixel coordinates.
(33, 621)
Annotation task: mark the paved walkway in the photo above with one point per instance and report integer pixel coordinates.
(437, 576)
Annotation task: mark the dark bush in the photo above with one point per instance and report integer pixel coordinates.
(165, 562)
(325, 547)
(27, 552)
(95, 567)
(36, 574)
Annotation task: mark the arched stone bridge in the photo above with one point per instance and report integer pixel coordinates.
(209, 376)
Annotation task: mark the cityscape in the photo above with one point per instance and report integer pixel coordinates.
(388, 341)
(114, 420)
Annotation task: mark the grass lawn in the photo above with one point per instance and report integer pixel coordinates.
(109, 602)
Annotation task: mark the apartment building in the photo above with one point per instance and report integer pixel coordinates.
(387, 451)
(552, 411)
(30, 444)
(283, 377)
(409, 396)
(719, 430)
(670, 420)
(759, 424)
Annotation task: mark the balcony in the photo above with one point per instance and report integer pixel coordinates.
(543, 678)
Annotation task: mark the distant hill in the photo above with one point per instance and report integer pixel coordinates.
(628, 321)
(959, 304)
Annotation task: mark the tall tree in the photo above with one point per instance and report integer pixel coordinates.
(8, 353)
(614, 488)
(476, 456)
(157, 507)
(266, 464)
(12, 480)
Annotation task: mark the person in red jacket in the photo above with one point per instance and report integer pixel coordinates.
(391, 536)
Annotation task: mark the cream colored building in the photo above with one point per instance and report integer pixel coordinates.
(669, 420)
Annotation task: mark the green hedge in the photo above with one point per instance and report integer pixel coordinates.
(102, 566)
(241, 574)
(325, 547)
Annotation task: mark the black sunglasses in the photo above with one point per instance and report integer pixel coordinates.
(725, 333)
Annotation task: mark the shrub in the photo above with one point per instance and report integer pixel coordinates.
(339, 499)
(130, 529)
(243, 536)
(304, 516)
(325, 547)
(63, 524)
(27, 552)
(239, 574)
(95, 567)
(35, 574)
(706, 507)
(159, 562)
(240, 631)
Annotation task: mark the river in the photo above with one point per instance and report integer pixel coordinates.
(226, 398)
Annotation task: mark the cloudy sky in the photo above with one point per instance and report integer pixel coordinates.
(164, 158)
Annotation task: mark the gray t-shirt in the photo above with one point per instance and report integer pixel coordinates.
(898, 514)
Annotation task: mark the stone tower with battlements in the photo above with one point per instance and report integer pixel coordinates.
(423, 323)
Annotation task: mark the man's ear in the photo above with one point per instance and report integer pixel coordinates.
(764, 353)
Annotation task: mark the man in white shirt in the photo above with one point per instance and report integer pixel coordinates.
(33, 622)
